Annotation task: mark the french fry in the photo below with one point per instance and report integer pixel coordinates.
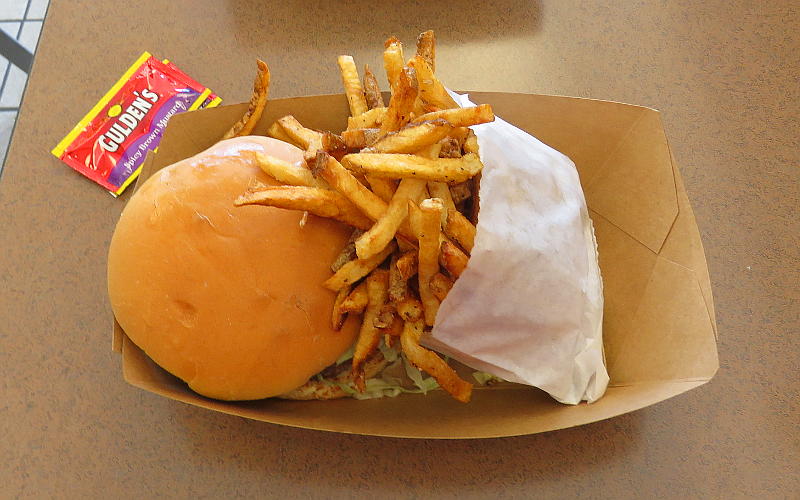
(393, 62)
(411, 138)
(426, 48)
(370, 119)
(398, 287)
(352, 85)
(452, 259)
(359, 138)
(440, 286)
(372, 91)
(343, 181)
(426, 222)
(428, 361)
(471, 143)
(357, 269)
(303, 136)
(410, 308)
(450, 148)
(338, 315)
(402, 102)
(397, 166)
(394, 330)
(460, 229)
(356, 301)
(276, 132)
(431, 90)
(442, 191)
(384, 229)
(332, 144)
(285, 172)
(369, 336)
(476, 198)
(257, 102)
(321, 202)
(407, 265)
(385, 317)
(460, 117)
(460, 192)
(384, 188)
(348, 252)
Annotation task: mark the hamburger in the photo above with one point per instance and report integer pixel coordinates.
(226, 298)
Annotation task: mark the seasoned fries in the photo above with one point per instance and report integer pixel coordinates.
(372, 91)
(426, 222)
(460, 117)
(370, 335)
(384, 229)
(352, 85)
(452, 259)
(357, 269)
(428, 360)
(283, 171)
(257, 102)
(397, 166)
(411, 139)
(460, 229)
(404, 175)
(356, 300)
(321, 202)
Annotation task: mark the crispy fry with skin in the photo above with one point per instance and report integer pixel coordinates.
(450, 148)
(452, 259)
(321, 202)
(471, 143)
(305, 137)
(372, 91)
(370, 119)
(426, 48)
(257, 102)
(352, 85)
(411, 139)
(384, 229)
(369, 336)
(440, 286)
(410, 308)
(385, 317)
(430, 362)
(393, 61)
(276, 132)
(394, 330)
(442, 191)
(285, 172)
(359, 138)
(431, 90)
(348, 253)
(356, 301)
(460, 117)
(426, 222)
(476, 198)
(397, 166)
(338, 315)
(407, 265)
(357, 269)
(460, 229)
(398, 287)
(460, 192)
(402, 102)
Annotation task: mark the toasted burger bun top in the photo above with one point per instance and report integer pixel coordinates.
(229, 299)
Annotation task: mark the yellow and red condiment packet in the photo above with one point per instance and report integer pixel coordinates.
(111, 142)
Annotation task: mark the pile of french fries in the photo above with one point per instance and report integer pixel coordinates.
(405, 177)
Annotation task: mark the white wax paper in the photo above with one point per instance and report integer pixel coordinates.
(529, 307)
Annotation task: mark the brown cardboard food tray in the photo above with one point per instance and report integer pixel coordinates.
(659, 326)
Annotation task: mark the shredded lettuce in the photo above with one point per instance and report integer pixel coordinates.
(486, 378)
(424, 384)
(347, 355)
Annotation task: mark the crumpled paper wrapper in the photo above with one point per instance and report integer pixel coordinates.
(529, 307)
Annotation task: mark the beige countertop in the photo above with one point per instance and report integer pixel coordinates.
(724, 75)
